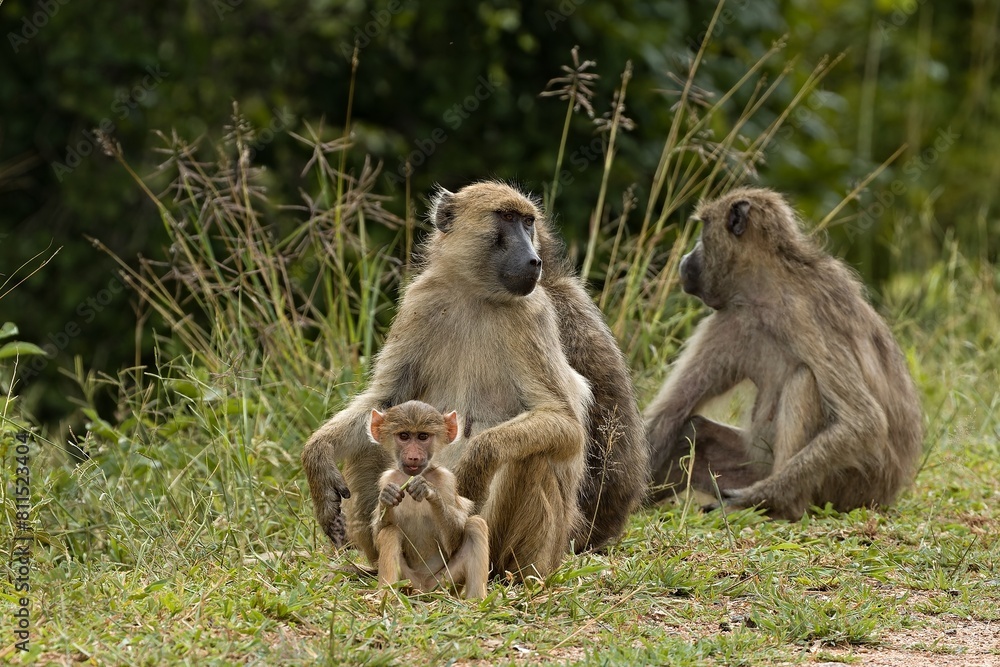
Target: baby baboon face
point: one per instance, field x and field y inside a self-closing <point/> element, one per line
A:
<point x="493" y="225"/>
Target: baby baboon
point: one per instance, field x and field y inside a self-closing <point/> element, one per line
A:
<point x="836" y="417"/>
<point x="429" y="536"/>
<point x="475" y="331"/>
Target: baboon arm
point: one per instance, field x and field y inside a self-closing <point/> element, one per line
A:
<point x="548" y="431"/>
<point x="385" y="515"/>
<point x="701" y="373"/>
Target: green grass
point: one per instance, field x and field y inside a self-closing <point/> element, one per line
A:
<point x="187" y="537"/>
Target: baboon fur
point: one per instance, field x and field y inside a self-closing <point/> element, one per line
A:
<point x="836" y="418"/>
<point x="548" y="460"/>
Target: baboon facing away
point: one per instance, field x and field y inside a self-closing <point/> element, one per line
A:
<point x="477" y="331"/>
<point x="422" y="527"/>
<point x="836" y="417"/>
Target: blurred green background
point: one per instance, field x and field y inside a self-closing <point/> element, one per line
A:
<point x="454" y="88"/>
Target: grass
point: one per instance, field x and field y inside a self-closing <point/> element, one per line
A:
<point x="186" y="536"/>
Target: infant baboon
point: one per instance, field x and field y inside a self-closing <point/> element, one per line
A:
<point x="836" y="417"/>
<point x="428" y="537"/>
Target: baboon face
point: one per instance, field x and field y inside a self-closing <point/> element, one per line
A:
<point x="741" y="232"/>
<point x="705" y="270"/>
<point x="493" y="224"/>
<point x="410" y="432"/>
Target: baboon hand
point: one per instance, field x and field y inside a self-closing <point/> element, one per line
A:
<point x="339" y="484"/>
<point x="732" y="500"/>
<point x="738" y="499"/>
<point x="474" y="471"/>
<point x="327" y="495"/>
<point x="419" y="489"/>
<point x="391" y="495"/>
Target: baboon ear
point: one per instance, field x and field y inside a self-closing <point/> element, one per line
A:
<point x="738" y="218"/>
<point x="443" y="210"/>
<point x="451" y="426"/>
<point x="375" y="426"/>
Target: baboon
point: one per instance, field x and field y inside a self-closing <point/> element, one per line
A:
<point x="477" y="331"/>
<point x="836" y="418"/>
<point x="428" y="538"/>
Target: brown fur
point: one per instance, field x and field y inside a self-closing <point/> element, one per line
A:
<point x="425" y="534"/>
<point x="617" y="473"/>
<point x="836" y="418"/>
<point x="462" y="339"/>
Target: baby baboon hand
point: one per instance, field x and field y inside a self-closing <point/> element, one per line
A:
<point x="419" y="489"/>
<point x="391" y="495"/>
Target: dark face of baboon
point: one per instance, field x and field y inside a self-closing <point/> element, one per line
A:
<point x="740" y="233"/>
<point x="497" y="224"/>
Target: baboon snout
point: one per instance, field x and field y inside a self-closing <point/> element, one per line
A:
<point x="520" y="278"/>
<point x="413" y="462"/>
<point x="691" y="273"/>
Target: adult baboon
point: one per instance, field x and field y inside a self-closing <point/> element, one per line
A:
<point x="476" y="331"/>
<point x="836" y="417"/>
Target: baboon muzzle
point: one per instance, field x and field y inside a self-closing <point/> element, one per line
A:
<point x="521" y="267"/>
<point x="691" y="273"/>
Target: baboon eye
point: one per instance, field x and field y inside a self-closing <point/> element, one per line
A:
<point x="508" y="216"/>
<point x="404" y="436"/>
<point x="529" y="220"/>
<point x="422" y="436"/>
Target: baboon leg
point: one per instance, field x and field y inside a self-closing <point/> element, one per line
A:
<point x="799" y="416"/>
<point x="787" y="492"/>
<point x="530" y="520"/>
<point x="720" y="458"/>
<point x="390" y="549"/>
<point x="470" y="564"/>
